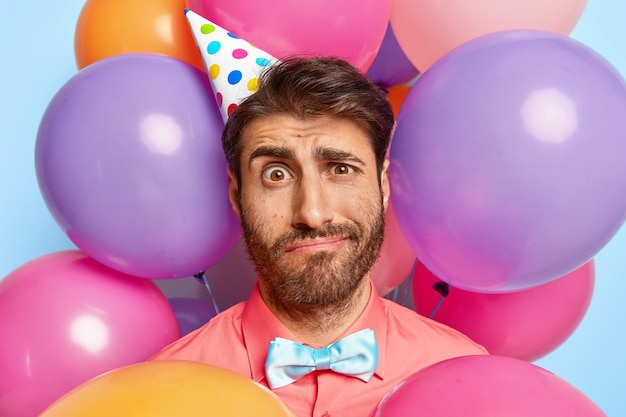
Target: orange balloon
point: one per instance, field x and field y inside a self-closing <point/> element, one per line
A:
<point x="396" y="97"/>
<point x="169" y="388"/>
<point x="112" y="27"/>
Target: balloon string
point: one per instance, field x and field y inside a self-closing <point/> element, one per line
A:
<point x="202" y="278"/>
<point x="394" y="294"/>
<point x="409" y="284"/>
<point x="442" y="288"/>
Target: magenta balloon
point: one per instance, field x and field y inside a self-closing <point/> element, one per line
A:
<point x="526" y="324"/>
<point x="349" y="29"/>
<point x="130" y="164"/>
<point x="485" y="385"/>
<point x="390" y="66"/>
<point x="507" y="163"/>
<point x="64" y="319"/>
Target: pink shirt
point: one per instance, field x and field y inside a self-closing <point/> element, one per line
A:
<point x="239" y="337"/>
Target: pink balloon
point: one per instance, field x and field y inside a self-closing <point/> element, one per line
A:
<point x="64" y="319"/>
<point x="526" y="324"/>
<point x="396" y="257"/>
<point x="349" y="29"/>
<point x="485" y="385"/>
<point x="427" y="29"/>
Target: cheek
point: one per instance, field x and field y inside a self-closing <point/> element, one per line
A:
<point x="260" y="209"/>
<point x="360" y="204"/>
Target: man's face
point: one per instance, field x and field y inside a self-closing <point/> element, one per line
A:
<point x="312" y="207"/>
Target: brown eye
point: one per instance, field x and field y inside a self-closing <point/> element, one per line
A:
<point x="276" y="174"/>
<point x="342" y="169"/>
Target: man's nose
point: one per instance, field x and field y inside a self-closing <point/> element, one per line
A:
<point x="311" y="204"/>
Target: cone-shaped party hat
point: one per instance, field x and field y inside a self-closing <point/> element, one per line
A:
<point x="232" y="64"/>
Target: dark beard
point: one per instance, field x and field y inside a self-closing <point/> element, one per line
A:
<point x="326" y="280"/>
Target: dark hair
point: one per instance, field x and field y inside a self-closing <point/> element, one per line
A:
<point x="308" y="88"/>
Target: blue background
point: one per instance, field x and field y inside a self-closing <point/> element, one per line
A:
<point x="36" y="44"/>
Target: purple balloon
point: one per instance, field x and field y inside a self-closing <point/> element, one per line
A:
<point x="391" y="67"/>
<point x="191" y="313"/>
<point x="130" y="164"/>
<point x="508" y="161"/>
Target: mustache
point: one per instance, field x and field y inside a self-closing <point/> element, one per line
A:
<point x="349" y="231"/>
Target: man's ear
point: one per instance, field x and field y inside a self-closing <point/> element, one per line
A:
<point x="233" y="191"/>
<point x="384" y="183"/>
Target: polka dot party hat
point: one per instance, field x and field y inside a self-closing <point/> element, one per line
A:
<point x="232" y="64"/>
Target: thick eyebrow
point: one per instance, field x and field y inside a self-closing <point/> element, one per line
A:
<point x="332" y="154"/>
<point x="272" y="151"/>
<point x="320" y="154"/>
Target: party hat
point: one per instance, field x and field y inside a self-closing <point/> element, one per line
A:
<point x="232" y="64"/>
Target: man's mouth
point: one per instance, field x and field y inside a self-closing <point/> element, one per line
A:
<point x="329" y="243"/>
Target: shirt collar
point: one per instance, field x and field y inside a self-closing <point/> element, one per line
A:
<point x="373" y="317"/>
<point x="260" y="326"/>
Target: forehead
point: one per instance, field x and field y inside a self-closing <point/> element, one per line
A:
<point x="304" y="135"/>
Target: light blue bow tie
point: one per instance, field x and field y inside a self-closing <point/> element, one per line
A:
<point x="355" y="355"/>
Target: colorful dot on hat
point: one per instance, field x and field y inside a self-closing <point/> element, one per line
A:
<point x="234" y="77"/>
<point x="207" y="28"/>
<point x="253" y="84"/>
<point x="240" y="53"/>
<point x="214" y="71"/>
<point x="263" y="62"/>
<point x="213" y="47"/>
<point x="232" y="63"/>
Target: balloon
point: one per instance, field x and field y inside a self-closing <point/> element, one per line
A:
<point x="348" y="29"/>
<point x="169" y="388"/>
<point x="426" y="29"/>
<point x="396" y="257"/>
<point x="191" y="313"/>
<point x="112" y="27"/>
<point x="526" y="324"/>
<point x="130" y="164"/>
<point x="391" y="67"/>
<point x="233" y="278"/>
<point x="485" y="385"/>
<point x="396" y="97"/>
<point x="507" y="163"/>
<point x="64" y="319"/>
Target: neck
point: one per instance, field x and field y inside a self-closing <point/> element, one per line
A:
<point x="319" y="325"/>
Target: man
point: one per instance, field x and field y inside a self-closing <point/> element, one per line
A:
<point x="308" y="179"/>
